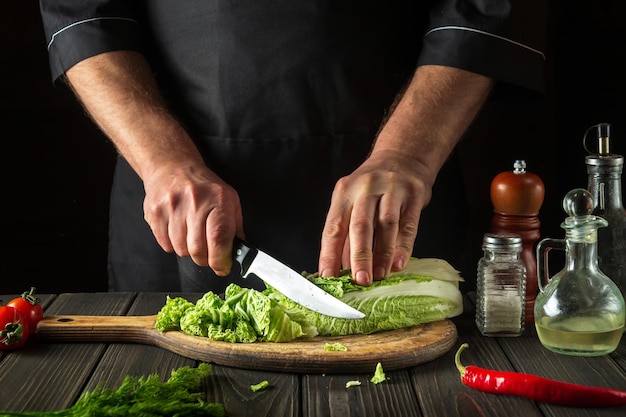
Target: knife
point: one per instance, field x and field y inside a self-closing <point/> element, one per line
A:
<point x="289" y="282"/>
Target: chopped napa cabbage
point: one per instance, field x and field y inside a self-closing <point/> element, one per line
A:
<point x="244" y="316"/>
<point x="169" y="316"/>
<point x="379" y="375"/>
<point x="260" y="386"/>
<point x="335" y="347"/>
<point x="353" y="383"/>
<point x="425" y="291"/>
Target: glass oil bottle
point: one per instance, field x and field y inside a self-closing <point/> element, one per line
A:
<point x="604" y="170"/>
<point x="580" y="311"/>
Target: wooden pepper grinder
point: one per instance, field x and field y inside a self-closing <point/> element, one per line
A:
<point x="517" y="197"/>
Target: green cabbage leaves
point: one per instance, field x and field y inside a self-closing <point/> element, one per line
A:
<point x="426" y="290"/>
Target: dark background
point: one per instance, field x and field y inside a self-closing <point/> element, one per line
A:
<point x="56" y="166"/>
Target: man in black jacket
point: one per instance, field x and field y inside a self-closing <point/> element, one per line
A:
<point x="282" y="122"/>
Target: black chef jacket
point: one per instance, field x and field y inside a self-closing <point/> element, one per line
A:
<point x="284" y="97"/>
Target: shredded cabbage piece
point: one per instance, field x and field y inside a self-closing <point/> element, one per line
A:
<point x="379" y="375"/>
<point x="260" y="386"/>
<point x="354" y="383"/>
<point x="335" y="347"/>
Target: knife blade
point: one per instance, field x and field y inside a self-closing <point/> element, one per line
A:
<point x="289" y="282"/>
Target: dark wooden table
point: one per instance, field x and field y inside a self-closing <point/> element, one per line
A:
<point x="51" y="376"/>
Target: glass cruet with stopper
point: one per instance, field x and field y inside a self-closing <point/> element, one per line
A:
<point x="579" y="311"/>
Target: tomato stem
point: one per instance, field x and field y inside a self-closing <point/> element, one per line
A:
<point x="12" y="333"/>
<point x="30" y="296"/>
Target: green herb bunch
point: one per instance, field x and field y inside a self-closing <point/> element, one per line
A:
<point x="179" y="396"/>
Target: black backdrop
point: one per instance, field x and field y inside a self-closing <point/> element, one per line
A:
<point x="56" y="166"/>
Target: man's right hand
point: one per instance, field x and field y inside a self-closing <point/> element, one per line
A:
<point x="190" y="209"/>
<point x="194" y="213"/>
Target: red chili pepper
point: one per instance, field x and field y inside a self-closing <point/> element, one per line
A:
<point x="536" y="388"/>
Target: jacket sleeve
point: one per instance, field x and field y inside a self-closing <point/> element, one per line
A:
<point x="76" y="30"/>
<point x="501" y="39"/>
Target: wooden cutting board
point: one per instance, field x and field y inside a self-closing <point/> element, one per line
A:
<point x="394" y="349"/>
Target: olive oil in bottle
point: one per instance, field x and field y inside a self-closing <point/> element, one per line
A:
<point x="580" y="311"/>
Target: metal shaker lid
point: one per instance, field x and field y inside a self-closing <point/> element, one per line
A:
<point x="502" y="240"/>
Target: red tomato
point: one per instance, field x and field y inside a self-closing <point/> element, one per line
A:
<point x="30" y="308"/>
<point x="14" y="329"/>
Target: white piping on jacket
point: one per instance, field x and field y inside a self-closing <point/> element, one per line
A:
<point x="487" y="34"/>
<point x="80" y="22"/>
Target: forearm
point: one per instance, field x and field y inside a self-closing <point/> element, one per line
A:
<point x="190" y="210"/>
<point x="381" y="201"/>
<point x="432" y="115"/>
<point x="120" y="94"/>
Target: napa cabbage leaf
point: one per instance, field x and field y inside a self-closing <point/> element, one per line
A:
<point x="426" y="290"/>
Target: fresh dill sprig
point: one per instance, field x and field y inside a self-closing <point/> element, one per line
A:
<point x="179" y="396"/>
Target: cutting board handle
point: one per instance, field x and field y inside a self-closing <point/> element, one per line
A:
<point x="132" y="329"/>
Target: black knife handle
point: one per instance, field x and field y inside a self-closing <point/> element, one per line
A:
<point x="243" y="254"/>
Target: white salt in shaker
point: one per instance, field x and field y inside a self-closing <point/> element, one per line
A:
<point x="501" y="286"/>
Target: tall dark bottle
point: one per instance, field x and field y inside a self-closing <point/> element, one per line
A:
<point x="604" y="171"/>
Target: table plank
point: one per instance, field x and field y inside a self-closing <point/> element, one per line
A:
<point x="327" y="395"/>
<point x="619" y="356"/>
<point x="231" y="387"/>
<point x="65" y="370"/>
<point x="528" y="355"/>
<point x="441" y="392"/>
<point x="47" y="377"/>
<point x="122" y="359"/>
<point x="119" y="360"/>
<point x="44" y="299"/>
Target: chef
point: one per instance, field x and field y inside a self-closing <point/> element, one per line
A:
<point x="321" y="131"/>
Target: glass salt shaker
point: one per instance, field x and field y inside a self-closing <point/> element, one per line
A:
<point x="501" y="286"/>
